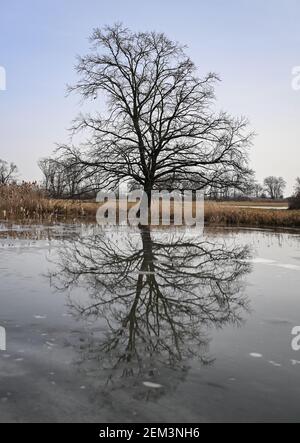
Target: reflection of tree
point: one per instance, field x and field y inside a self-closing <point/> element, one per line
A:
<point x="159" y="293"/>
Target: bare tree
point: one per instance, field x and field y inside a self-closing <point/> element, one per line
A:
<point x="258" y="190"/>
<point x="297" y="186"/>
<point x="8" y="172"/>
<point x="160" y="125"/>
<point x="254" y="189"/>
<point x="275" y="187"/>
<point x="53" y="180"/>
<point x="62" y="178"/>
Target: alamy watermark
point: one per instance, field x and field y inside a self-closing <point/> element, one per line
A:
<point x="2" y="339"/>
<point x="296" y="339"/>
<point x="296" y="78"/>
<point x="161" y="208"/>
<point x="2" y="79"/>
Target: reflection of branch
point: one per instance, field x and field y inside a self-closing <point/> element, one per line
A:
<point x="158" y="293"/>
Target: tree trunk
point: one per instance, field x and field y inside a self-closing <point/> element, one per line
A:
<point x="148" y="192"/>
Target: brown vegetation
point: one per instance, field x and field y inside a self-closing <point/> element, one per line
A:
<point x="226" y="215"/>
<point x="27" y="202"/>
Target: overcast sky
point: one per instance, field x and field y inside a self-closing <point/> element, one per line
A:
<point x="252" y="44"/>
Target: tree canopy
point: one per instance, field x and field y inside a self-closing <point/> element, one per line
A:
<point x="159" y="125"/>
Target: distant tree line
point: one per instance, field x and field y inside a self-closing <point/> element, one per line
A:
<point x="249" y="188"/>
<point x="65" y="180"/>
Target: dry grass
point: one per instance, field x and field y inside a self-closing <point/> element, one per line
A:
<point x="256" y="203"/>
<point x="226" y="215"/>
<point x="27" y="203"/>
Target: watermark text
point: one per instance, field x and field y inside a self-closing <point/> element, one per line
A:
<point x="296" y="339"/>
<point x="161" y="208"/>
<point x="2" y="339"/>
<point x="296" y="78"/>
<point x="2" y="79"/>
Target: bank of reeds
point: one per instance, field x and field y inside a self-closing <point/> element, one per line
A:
<point x="226" y="215"/>
<point x="27" y="202"/>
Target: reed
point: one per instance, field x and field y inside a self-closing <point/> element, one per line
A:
<point x="226" y="215"/>
<point x="28" y="202"/>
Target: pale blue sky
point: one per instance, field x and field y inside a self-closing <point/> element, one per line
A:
<point x="252" y="44"/>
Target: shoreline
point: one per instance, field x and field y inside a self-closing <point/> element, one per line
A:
<point x="251" y="214"/>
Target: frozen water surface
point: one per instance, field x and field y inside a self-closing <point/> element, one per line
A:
<point x="150" y="326"/>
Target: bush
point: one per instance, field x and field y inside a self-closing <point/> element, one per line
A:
<point x="294" y="202"/>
